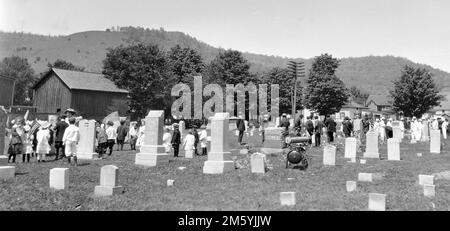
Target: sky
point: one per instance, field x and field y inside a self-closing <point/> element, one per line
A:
<point x="415" y="29"/>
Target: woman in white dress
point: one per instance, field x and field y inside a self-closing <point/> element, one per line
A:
<point x="204" y="141"/>
<point x="43" y="146"/>
<point x="188" y="144"/>
<point x="167" y="139"/>
<point x="445" y="128"/>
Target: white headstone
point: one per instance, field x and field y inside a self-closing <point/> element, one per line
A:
<point x="350" y="147"/>
<point x="258" y="163"/>
<point x="419" y="154"/>
<point x="219" y="158"/>
<point x="365" y="177"/>
<point x="3" y="160"/>
<point x="393" y="149"/>
<point x="287" y="198"/>
<point x="329" y="155"/>
<point x="425" y="131"/>
<point x="371" y="145"/>
<point x="86" y="145"/>
<point x="59" y="178"/>
<point x="109" y="175"/>
<point x="429" y="190"/>
<point x="153" y="151"/>
<point x="377" y="202"/>
<point x="426" y="179"/>
<point x="351" y="186"/>
<point x="7" y="172"/>
<point x="435" y="141"/>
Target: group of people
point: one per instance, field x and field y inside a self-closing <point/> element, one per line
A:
<point x="173" y="140"/>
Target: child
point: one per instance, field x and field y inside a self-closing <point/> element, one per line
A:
<point x="188" y="143"/>
<point x="70" y="139"/>
<point x="111" y="133"/>
<point x="16" y="145"/>
<point x="43" y="138"/>
<point x="167" y="138"/>
<point x="102" y="139"/>
<point x="28" y="146"/>
<point x="203" y="142"/>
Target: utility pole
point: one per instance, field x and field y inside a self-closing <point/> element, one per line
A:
<point x="297" y="70"/>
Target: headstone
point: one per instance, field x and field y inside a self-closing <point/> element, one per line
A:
<point x="170" y="182"/>
<point x="365" y="177"/>
<point x="371" y="145"/>
<point x="86" y="145"/>
<point x="329" y="155"/>
<point x="258" y="163"/>
<point x="377" y="202"/>
<point x="393" y="149"/>
<point x="351" y="186"/>
<point x="426" y="179"/>
<point x="109" y="175"/>
<point x="181" y="168"/>
<point x="273" y="142"/>
<point x="3" y="160"/>
<point x="219" y="158"/>
<point x="425" y="132"/>
<point x="419" y="154"/>
<point x="362" y="161"/>
<point x="350" y="147"/>
<point x="287" y="198"/>
<point x="435" y="141"/>
<point x="243" y="151"/>
<point x="59" y="178"/>
<point x="153" y="151"/>
<point x="429" y="190"/>
<point x="7" y="172"/>
<point x="3" y="119"/>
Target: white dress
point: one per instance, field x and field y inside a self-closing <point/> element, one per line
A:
<point x="43" y="147"/>
<point x="444" y="129"/>
<point x="203" y="138"/>
<point x="189" y="148"/>
<point x="167" y="139"/>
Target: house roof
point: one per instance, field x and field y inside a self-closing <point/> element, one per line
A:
<point x="84" y="81"/>
<point x="353" y="104"/>
<point x="379" y="100"/>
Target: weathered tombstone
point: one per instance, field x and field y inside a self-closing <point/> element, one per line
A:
<point x="350" y="147"/>
<point x="219" y="158"/>
<point x="59" y="178"/>
<point x="287" y="198"/>
<point x="153" y="152"/>
<point x="351" y="186"/>
<point x="273" y="142"/>
<point x="365" y="177"/>
<point x="7" y="172"/>
<point x="86" y="145"/>
<point x="429" y="190"/>
<point x="393" y="149"/>
<point x="425" y="131"/>
<point x="258" y="163"/>
<point x="3" y="119"/>
<point x="329" y="155"/>
<point x="419" y="154"/>
<point x="371" y="145"/>
<point x="377" y="202"/>
<point x="3" y="160"/>
<point x="109" y="176"/>
<point x="435" y="141"/>
<point x="426" y="179"/>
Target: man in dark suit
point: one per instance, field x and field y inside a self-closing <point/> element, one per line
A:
<point x="60" y="128"/>
<point x="331" y="128"/>
<point x="241" y="128"/>
<point x="347" y="127"/>
<point x="176" y="140"/>
<point x="284" y="124"/>
<point x="310" y="128"/>
<point x="318" y="130"/>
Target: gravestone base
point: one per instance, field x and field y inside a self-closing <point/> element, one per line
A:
<point x="7" y="172"/>
<point x="3" y="160"/>
<point x="87" y="156"/>
<point x="371" y="155"/>
<point x="151" y="160"/>
<point x="101" y="190"/>
<point x="218" y="167"/>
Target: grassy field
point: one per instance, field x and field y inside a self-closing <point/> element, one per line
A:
<point x="318" y="188"/>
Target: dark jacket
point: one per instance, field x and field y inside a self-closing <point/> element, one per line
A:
<point x="310" y="126"/>
<point x="122" y="132"/>
<point x="331" y="125"/>
<point x="319" y="127"/>
<point x="285" y="124"/>
<point x="240" y="125"/>
<point x="195" y="133"/>
<point x="347" y="127"/>
<point x="176" y="136"/>
<point x="60" y="128"/>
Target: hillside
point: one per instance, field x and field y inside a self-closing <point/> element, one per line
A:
<point x="373" y="73"/>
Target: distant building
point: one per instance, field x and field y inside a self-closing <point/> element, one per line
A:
<point x="90" y="94"/>
<point x="350" y="109"/>
<point x="7" y="85"/>
<point x="379" y="103"/>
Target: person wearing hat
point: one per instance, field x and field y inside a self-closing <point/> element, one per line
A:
<point x="318" y="129"/>
<point x="197" y="139"/>
<point x="204" y="141"/>
<point x="241" y="128"/>
<point x="331" y="128"/>
<point x="16" y="143"/>
<point x="43" y="137"/>
<point x="347" y="127"/>
<point x="70" y="139"/>
<point x="60" y="128"/>
<point x="111" y="133"/>
<point x="284" y="123"/>
<point x="122" y="132"/>
<point x="176" y="139"/>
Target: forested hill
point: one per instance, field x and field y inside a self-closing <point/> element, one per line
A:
<point x="373" y="73"/>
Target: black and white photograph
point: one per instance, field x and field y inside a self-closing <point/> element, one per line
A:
<point x="224" y="106"/>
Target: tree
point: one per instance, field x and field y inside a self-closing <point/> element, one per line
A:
<point x="415" y="92"/>
<point x="145" y="72"/>
<point x="326" y="93"/>
<point x="229" y="67"/>
<point x="185" y="63"/>
<point x="358" y="95"/>
<point x="285" y="80"/>
<point x="62" y="64"/>
<point x="19" y="69"/>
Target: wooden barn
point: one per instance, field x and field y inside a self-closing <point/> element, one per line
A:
<point x="7" y="86"/>
<point x="91" y="94"/>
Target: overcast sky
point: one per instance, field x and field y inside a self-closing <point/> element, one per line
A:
<point x="416" y="29"/>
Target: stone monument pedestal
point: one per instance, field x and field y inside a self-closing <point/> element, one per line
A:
<point x="152" y="155"/>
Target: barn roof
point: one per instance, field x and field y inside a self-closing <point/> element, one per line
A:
<point x="79" y="80"/>
<point x="379" y="100"/>
<point x="353" y="104"/>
